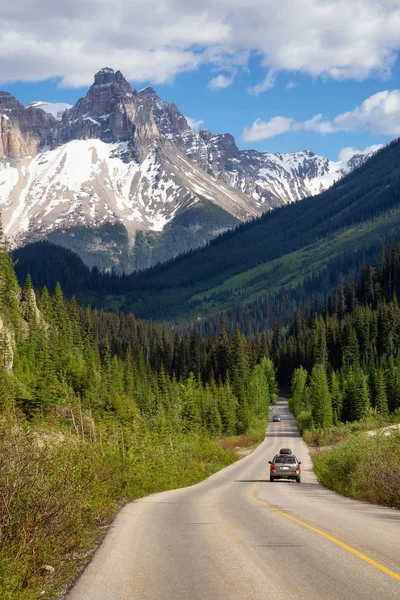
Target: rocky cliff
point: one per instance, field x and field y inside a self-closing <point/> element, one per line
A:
<point x="127" y="157"/>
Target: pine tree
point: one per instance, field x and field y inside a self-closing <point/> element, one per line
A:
<point x="297" y="395"/>
<point x="191" y="416"/>
<point x="320" y="352"/>
<point x="351" y="354"/>
<point x="320" y="398"/>
<point x="223" y="350"/>
<point x="361" y="400"/>
<point x="350" y="396"/>
<point x="381" y="401"/>
<point x="46" y="391"/>
<point x="270" y="375"/>
<point x="392" y="383"/>
<point x="259" y="391"/>
<point x="337" y="398"/>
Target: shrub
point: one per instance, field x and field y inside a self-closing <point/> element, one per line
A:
<point x="363" y="467"/>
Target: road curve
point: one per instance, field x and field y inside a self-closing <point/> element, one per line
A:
<point x="237" y="536"/>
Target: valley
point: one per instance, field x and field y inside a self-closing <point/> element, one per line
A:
<point x="199" y="315"/>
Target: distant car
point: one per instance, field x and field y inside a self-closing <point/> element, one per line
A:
<point x="276" y="418"/>
<point x="285" y="467"/>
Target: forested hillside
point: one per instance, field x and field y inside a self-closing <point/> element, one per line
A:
<point x="343" y="360"/>
<point x="279" y="253"/>
<point x="97" y="409"/>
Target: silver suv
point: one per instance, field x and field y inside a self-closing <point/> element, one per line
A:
<point x="285" y="466"/>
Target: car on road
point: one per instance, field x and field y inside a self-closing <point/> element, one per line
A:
<point x="285" y="467"/>
<point x="276" y="417"/>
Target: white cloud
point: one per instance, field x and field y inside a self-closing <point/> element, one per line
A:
<point x="154" y="41"/>
<point x="220" y="82"/>
<point x="193" y="123"/>
<point x="316" y="123"/>
<point x="267" y="84"/>
<point x="262" y="130"/>
<point x="379" y="115"/>
<point x="290" y="85"/>
<point x="346" y="153"/>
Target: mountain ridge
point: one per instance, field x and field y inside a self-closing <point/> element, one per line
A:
<point x="272" y="256"/>
<point x="122" y="156"/>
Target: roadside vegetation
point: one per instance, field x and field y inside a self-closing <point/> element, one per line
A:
<point x="97" y="410"/>
<point x="348" y="383"/>
<point x="102" y="408"/>
<point x="363" y="467"/>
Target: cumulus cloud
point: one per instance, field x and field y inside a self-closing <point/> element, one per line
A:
<point x="220" y="82"/>
<point x="193" y="123"/>
<point x="262" y="130"/>
<point x="316" y="123"/>
<point x="154" y="41"/>
<point x="267" y="84"/>
<point x="346" y="153"/>
<point x="379" y="114"/>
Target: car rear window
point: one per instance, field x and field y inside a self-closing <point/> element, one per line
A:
<point x="285" y="460"/>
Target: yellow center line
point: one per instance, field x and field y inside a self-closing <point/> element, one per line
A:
<point x="363" y="557"/>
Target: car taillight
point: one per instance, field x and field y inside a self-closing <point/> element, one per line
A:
<point x="297" y="469"/>
<point x="272" y="467"/>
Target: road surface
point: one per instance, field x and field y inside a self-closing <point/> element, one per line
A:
<point x="236" y="536"/>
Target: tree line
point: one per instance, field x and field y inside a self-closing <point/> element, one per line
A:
<point x="343" y="361"/>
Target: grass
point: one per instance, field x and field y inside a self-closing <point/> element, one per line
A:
<point x="59" y="493"/>
<point x="363" y="467"/>
<point x="354" y="464"/>
<point x="237" y="445"/>
<point x="317" y="438"/>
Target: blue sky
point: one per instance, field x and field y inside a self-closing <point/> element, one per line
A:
<point x="326" y="63"/>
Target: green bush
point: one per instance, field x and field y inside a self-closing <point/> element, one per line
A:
<point x="304" y="421"/>
<point x="57" y="491"/>
<point x="363" y="467"/>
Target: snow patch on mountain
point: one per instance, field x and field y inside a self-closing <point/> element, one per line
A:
<point x="90" y="182"/>
<point x="56" y="109"/>
<point x="84" y="182"/>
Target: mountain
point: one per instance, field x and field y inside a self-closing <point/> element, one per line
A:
<point x="289" y="253"/>
<point x="92" y="176"/>
<point x="56" y="109"/>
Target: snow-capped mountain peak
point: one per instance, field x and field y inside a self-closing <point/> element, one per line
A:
<point x="125" y="156"/>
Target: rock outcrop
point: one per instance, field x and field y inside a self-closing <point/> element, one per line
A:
<point x="23" y="131"/>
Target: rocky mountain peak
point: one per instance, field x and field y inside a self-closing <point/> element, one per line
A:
<point x="8" y="102"/>
<point x="146" y="91"/>
<point x="106" y="112"/>
<point x="205" y="134"/>
<point x="22" y="132"/>
<point x="107" y="77"/>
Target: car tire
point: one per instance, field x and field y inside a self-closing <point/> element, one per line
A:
<point x="272" y="479"/>
<point x="298" y="479"/>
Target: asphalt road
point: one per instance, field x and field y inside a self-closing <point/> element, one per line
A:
<point x="237" y="536"/>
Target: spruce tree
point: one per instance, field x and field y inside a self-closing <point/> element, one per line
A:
<point x="350" y="396"/>
<point x="361" y="401"/>
<point x="223" y="350"/>
<point x="337" y="398"/>
<point x="381" y="401"/>
<point x="320" y="398"/>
